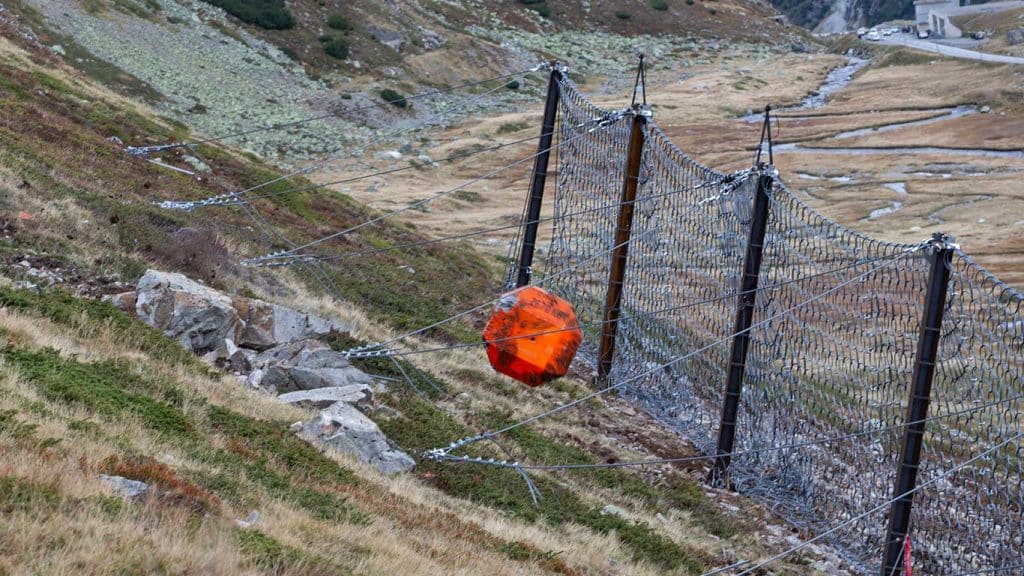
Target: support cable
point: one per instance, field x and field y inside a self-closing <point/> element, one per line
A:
<point x="444" y="453"/>
<point x="657" y="312"/>
<point x="881" y="506"/>
<point x="734" y="179"/>
<point x="218" y="201"/>
<point x="599" y="123"/>
<point x="331" y="156"/>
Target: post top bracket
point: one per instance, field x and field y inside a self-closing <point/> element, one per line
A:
<point x="554" y="66"/>
<point x="942" y="241"/>
<point x="642" y="110"/>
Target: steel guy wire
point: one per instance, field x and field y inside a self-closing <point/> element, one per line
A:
<point x="460" y="156"/>
<point x="881" y="506"/>
<point x="990" y="570"/>
<point x="145" y="150"/>
<point x="440" y="453"/>
<point x="736" y="178"/>
<point x="657" y="312"/>
<point x="331" y="156"/>
<point x="783" y="447"/>
<point x="598" y="124"/>
<point x="378" y="349"/>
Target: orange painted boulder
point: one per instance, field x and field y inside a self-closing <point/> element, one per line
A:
<point x="532" y="336"/>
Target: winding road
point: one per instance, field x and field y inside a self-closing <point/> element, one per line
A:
<point x="952" y="51"/>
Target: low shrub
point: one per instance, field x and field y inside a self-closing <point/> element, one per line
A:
<point x="661" y="5"/>
<point x="394" y="97"/>
<point x="339" y="22"/>
<point x="337" y="48"/>
<point x="269" y="14"/>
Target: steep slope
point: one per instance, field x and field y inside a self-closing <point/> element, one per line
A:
<point x="240" y="74"/>
<point x="844" y="15"/>
<point x="85" y="390"/>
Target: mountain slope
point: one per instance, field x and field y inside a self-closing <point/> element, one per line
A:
<point x="86" y="391"/>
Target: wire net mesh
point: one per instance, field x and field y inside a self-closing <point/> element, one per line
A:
<point x="818" y="366"/>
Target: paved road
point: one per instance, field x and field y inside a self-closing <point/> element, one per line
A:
<point x="928" y="46"/>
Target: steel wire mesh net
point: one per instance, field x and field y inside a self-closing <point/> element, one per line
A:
<point x="818" y="366"/>
<point x="828" y="366"/>
<point x="974" y="520"/>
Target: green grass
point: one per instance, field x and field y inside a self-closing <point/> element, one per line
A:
<point x="512" y="127"/>
<point x="274" y="557"/>
<point x="423" y="426"/>
<point x="107" y="387"/>
<point x="88" y="316"/>
<point x="21" y="495"/>
<point x="339" y="22"/>
<point x="682" y="494"/>
<point x="287" y="451"/>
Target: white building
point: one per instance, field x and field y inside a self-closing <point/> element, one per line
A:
<point x="937" y="15"/>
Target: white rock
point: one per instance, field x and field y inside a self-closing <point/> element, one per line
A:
<point x="126" y="488"/>
<point x="613" y="510"/>
<point x="346" y="429"/>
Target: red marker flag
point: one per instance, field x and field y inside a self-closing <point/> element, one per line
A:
<point x="906" y="556"/>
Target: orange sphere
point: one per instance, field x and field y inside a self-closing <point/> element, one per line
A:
<point x="532" y="336"/>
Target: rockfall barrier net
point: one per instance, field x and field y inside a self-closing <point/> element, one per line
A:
<point x="839" y="364"/>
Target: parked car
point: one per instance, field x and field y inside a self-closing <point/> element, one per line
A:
<point x="887" y="31"/>
<point x="874" y="36"/>
<point x="907" y="29"/>
<point x="861" y="32"/>
<point x="977" y="35"/>
<point x="924" y="34"/>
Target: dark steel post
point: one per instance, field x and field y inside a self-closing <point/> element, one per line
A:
<point x="540" y="174"/>
<point x="617" y="274"/>
<point x="744" y="316"/>
<point x="917" y="404"/>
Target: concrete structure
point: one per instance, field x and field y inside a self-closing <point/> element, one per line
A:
<point x="937" y="15"/>
<point x="923" y="11"/>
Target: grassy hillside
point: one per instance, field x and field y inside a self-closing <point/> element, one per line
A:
<point x="86" y="391"/>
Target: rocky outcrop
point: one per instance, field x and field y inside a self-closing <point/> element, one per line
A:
<point x="344" y="428"/>
<point x="305" y="365"/>
<point x="206" y="320"/>
<point x="272" y="348"/>
<point x="358" y="395"/>
<point x="198" y="317"/>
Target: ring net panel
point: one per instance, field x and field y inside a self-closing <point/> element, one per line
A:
<point x="818" y="366"/>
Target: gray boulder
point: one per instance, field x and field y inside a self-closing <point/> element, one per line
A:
<point x="267" y="325"/>
<point x="306" y="365"/>
<point x="126" y="488"/>
<point x="390" y="38"/>
<point x="198" y="317"/>
<point x="359" y="395"/>
<point x="346" y="429"/>
<point x="1015" y="37"/>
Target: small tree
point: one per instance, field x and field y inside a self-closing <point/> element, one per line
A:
<point x="394" y="97"/>
<point x="337" y="48"/>
<point x="661" y="5"/>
